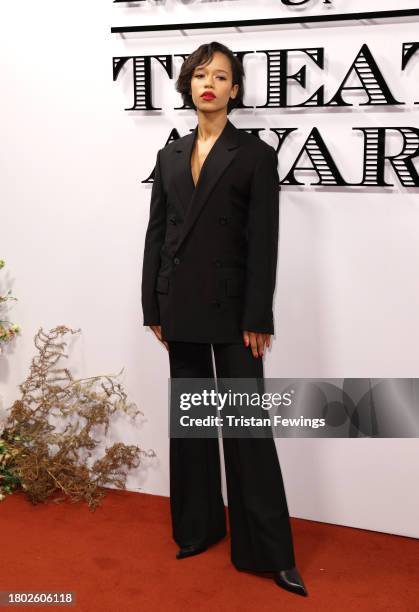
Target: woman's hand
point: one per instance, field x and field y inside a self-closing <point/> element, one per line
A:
<point x="157" y="330"/>
<point x="257" y="342"/>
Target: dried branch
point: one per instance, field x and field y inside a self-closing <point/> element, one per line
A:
<point x="80" y="406"/>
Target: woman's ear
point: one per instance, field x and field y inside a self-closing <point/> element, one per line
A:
<point x="236" y="89"/>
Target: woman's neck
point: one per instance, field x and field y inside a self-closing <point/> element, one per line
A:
<point x="210" y="125"/>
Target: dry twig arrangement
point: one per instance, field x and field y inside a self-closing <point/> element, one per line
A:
<point x="42" y="460"/>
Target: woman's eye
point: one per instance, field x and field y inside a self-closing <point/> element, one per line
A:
<point x="223" y="78"/>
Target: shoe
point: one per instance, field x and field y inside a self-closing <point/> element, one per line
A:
<point x="188" y="551"/>
<point x="291" y="580"/>
<point x="195" y="549"/>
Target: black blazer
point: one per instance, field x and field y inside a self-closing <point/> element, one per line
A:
<point x="210" y="254"/>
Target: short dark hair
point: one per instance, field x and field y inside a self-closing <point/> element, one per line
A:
<point x="200" y="56"/>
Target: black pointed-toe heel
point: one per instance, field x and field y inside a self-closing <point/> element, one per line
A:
<point x="189" y="551"/>
<point x="195" y="549"/>
<point x="291" y="580"/>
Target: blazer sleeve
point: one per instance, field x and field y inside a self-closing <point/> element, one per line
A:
<point x="154" y="240"/>
<point x="262" y="233"/>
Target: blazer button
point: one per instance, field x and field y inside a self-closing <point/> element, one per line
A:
<point x="172" y="219"/>
<point x="176" y="260"/>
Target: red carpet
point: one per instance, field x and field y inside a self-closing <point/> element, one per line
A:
<point x="121" y="558"/>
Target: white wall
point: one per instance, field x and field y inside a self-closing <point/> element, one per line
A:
<point x="74" y="214"/>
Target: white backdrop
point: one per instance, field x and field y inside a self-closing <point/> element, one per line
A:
<point x="74" y="215"/>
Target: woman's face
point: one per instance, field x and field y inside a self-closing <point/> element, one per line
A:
<point x="215" y="80"/>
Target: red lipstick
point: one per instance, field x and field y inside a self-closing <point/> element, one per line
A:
<point x="208" y="95"/>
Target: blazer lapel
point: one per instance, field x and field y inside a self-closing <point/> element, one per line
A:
<point x="218" y="159"/>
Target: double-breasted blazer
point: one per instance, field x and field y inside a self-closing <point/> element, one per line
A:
<point x="210" y="254"/>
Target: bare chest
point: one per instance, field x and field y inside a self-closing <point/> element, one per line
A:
<point x="199" y="154"/>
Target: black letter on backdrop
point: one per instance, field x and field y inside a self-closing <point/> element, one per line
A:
<point x="277" y="77"/>
<point x="322" y="161"/>
<point x="409" y="50"/>
<point x="373" y="82"/>
<point x="142" y="77"/>
<point x="375" y="157"/>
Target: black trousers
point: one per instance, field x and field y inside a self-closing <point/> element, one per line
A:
<point x="260" y="531"/>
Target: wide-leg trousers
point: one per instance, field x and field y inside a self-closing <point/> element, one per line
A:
<point x="260" y="531"/>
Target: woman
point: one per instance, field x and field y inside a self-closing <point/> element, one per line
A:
<point x="208" y="280"/>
